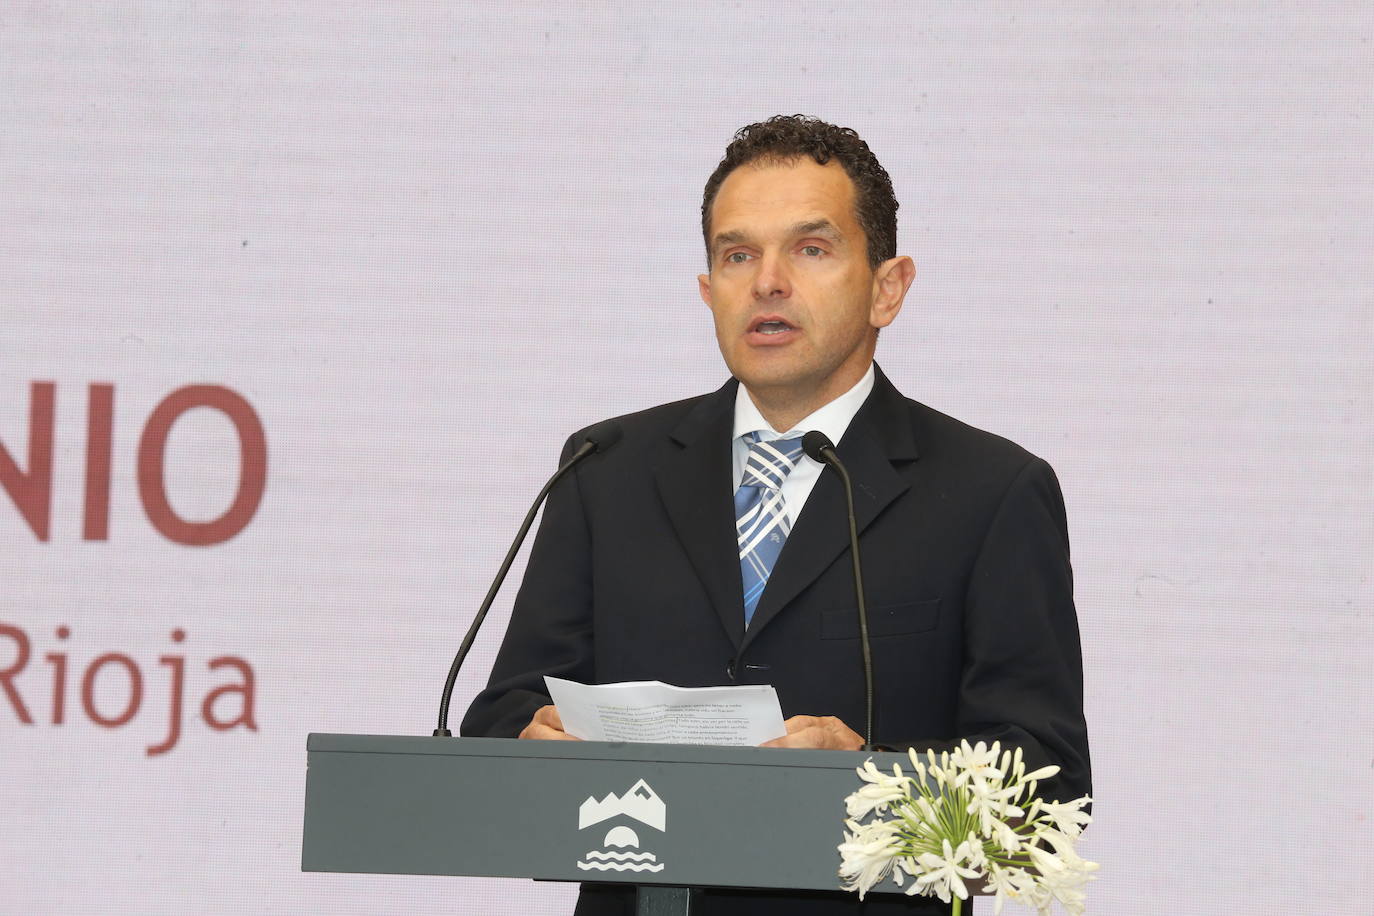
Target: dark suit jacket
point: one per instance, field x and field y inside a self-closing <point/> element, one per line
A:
<point x="634" y="575"/>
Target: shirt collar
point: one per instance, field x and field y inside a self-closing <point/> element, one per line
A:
<point x="832" y="419"/>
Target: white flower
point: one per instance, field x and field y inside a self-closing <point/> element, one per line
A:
<point x="1009" y="883"/>
<point x="872" y="798"/>
<point x="1006" y="837"/>
<point x="867" y="853"/>
<point x="944" y="873"/>
<point x="904" y="864"/>
<point x="1039" y="897"/>
<point x="1069" y="817"/>
<point x="1044" y="772"/>
<point x="936" y="768"/>
<point x="977" y="856"/>
<point x="1045" y="862"/>
<point x="988" y="800"/>
<point x="869" y="772"/>
<point x="1065" y="853"/>
<point x="1070" y="897"/>
<point x="880" y="791"/>
<point x="1063" y="878"/>
<point x="977" y="763"/>
<point x="917" y="764"/>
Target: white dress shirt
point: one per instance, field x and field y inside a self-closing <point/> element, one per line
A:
<point x="832" y="419"/>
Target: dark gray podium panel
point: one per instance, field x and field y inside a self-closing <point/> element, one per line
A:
<point x="578" y="811"/>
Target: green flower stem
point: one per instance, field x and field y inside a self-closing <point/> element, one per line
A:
<point x="957" y="907"/>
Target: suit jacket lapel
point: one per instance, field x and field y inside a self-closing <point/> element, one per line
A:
<point x="879" y="436"/>
<point x="694" y="482"/>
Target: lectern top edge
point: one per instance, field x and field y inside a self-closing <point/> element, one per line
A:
<point x="319" y="742"/>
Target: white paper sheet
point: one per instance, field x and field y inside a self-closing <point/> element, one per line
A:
<point x="652" y="711"/>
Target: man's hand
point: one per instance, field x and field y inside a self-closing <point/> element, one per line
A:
<point x="547" y="725"/>
<point x="825" y="732"/>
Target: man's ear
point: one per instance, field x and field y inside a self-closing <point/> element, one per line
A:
<point x="704" y="288"/>
<point x="890" y="282"/>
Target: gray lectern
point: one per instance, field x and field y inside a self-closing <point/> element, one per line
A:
<point x="666" y="817"/>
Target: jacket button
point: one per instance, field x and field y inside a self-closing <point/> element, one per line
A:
<point x="730" y="669"/>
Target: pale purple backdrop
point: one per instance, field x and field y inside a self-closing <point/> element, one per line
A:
<point x="427" y="241"/>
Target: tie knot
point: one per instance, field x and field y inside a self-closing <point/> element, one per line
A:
<point x="769" y="463"/>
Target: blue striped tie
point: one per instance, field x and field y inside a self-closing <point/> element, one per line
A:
<point x="761" y="523"/>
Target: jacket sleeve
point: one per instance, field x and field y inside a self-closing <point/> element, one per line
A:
<point x="1022" y="671"/>
<point x="550" y="629"/>
<point x="1022" y="678"/>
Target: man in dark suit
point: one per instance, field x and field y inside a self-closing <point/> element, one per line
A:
<point x="645" y="568"/>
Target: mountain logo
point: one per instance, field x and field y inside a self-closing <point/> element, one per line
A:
<point x="620" y="847"/>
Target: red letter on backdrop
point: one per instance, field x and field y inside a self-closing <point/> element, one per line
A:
<point x="99" y="425"/>
<point x="135" y="689"/>
<point x="252" y="465"/>
<point x="178" y="665"/>
<point x="244" y="689"/>
<point x="21" y="646"/>
<point x="32" y="490"/>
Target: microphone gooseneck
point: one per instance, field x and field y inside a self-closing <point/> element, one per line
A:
<point x="598" y="438"/>
<point x="818" y="447"/>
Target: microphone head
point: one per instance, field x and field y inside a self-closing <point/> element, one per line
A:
<point x="816" y="444"/>
<point x="604" y="435"/>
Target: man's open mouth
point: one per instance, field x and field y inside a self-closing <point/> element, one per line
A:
<point x="771" y="326"/>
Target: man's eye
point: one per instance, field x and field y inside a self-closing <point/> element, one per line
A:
<point x="736" y="257"/>
<point x="812" y="251"/>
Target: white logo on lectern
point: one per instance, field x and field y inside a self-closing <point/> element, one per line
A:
<point x="620" y="849"/>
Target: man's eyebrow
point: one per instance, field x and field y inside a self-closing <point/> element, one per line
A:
<point x="817" y="227"/>
<point x="721" y="239"/>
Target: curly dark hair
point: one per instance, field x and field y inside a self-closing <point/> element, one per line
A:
<point x="786" y="138"/>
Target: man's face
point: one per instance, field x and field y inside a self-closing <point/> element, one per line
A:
<point x="795" y="302"/>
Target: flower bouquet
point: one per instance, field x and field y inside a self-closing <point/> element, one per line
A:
<point x="968" y="815"/>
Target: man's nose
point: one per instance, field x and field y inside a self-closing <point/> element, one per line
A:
<point x="772" y="280"/>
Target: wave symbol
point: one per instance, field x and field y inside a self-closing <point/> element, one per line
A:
<point x="622" y="856"/>
<point x="619" y="866"/>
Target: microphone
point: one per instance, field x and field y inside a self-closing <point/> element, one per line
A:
<point x="598" y="438"/>
<point x="818" y="447"/>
